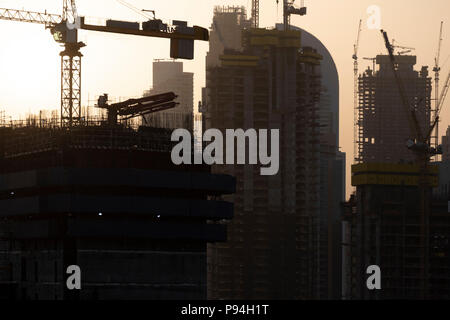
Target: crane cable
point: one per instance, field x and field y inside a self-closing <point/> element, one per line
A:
<point x="130" y="6"/>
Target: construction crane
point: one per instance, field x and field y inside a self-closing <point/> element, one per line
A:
<point x="436" y="70"/>
<point x="373" y="62"/>
<point x="405" y="49"/>
<point x="64" y="29"/>
<point x="355" y="91"/>
<point x="136" y="107"/>
<point x="441" y="100"/>
<point x="289" y="9"/>
<point x="420" y="145"/>
<point x="255" y="14"/>
<point x="140" y="12"/>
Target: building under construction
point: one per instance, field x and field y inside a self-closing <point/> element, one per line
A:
<point x="328" y="234"/>
<point x="382" y="127"/>
<point x="389" y="221"/>
<point x="109" y="199"/>
<point x="169" y="76"/>
<point x="383" y="227"/>
<point x="268" y="82"/>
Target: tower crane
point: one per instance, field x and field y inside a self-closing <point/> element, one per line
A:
<point x="255" y="14"/>
<point x="64" y="29"/>
<point x="436" y="70"/>
<point x="140" y="12"/>
<point x="373" y="62"/>
<point x="289" y="9"/>
<point x="406" y="49"/>
<point x="355" y="91"/>
<point x="420" y="145"/>
<point x="441" y="100"/>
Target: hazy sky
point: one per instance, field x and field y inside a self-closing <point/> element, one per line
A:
<point x="121" y="65"/>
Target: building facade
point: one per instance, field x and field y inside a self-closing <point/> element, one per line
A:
<point x="275" y="242"/>
<point x="109" y="200"/>
<point x="382" y="126"/>
<point x="384" y="227"/>
<point x="168" y="76"/>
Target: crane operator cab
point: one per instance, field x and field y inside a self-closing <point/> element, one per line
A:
<point x="63" y="34"/>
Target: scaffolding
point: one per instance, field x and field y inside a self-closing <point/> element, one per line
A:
<point x="382" y="129"/>
<point x="383" y="228"/>
<point x="272" y="248"/>
<point x="78" y="178"/>
<point x="172" y="120"/>
<point x="240" y="11"/>
<point x="2" y="118"/>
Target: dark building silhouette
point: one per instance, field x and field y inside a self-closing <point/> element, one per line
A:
<point x="382" y="127"/>
<point x="383" y="227"/>
<point x="110" y="200"/>
<point x="332" y="175"/>
<point x="384" y="222"/>
<point x="276" y="247"/>
<point x="285" y="240"/>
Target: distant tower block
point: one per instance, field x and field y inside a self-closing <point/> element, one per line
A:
<point x="270" y="83"/>
<point x="382" y="127"/>
<point x="168" y="76"/>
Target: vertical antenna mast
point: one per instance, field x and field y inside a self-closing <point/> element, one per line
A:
<point x="437" y="69"/>
<point x="255" y="14"/>
<point x="70" y="69"/>
<point x="355" y="94"/>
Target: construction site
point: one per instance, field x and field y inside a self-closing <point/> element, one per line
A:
<point x="382" y="129"/>
<point x="395" y="219"/>
<point x="278" y="246"/>
<point x="100" y="191"/>
<point x="96" y="187"/>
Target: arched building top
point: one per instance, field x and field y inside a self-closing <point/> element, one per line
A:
<point x="330" y="77"/>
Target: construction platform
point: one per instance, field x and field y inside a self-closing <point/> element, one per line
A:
<point x="391" y="174"/>
<point x="384" y="225"/>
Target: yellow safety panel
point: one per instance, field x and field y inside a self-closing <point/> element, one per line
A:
<point x="239" y="64"/>
<point x="238" y="57"/>
<point x="278" y="38"/>
<point x="239" y="60"/>
<point x="391" y="167"/>
<point x="391" y="174"/>
<point x="309" y="60"/>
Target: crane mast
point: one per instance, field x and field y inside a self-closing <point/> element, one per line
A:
<point x="70" y="13"/>
<point x="440" y="105"/>
<point x="70" y="57"/>
<point x="70" y="66"/>
<point x="255" y="13"/>
<point x="437" y="70"/>
<point x="71" y="84"/>
<point x="442" y="96"/>
<point x="289" y="9"/>
<point x="355" y="92"/>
